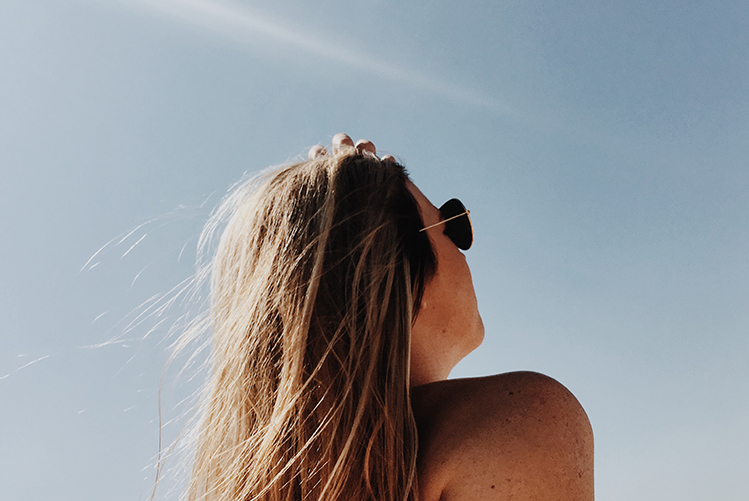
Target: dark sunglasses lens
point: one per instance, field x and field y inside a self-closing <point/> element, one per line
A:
<point x="459" y="229"/>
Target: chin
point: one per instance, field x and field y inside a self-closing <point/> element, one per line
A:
<point x="479" y="332"/>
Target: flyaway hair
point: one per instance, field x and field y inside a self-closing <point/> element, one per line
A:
<point x="315" y="285"/>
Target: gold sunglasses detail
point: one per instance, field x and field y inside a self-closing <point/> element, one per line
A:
<point x="467" y="212"/>
<point x="457" y="221"/>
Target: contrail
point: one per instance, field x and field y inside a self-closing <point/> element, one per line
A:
<point x="232" y="21"/>
<point x="239" y="24"/>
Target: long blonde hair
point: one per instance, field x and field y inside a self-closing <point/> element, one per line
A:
<point x="315" y="284"/>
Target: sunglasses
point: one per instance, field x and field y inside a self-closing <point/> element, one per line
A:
<point x="457" y="223"/>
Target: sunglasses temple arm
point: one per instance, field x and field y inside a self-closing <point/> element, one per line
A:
<point x="445" y="220"/>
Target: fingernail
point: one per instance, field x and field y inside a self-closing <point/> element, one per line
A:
<point x="317" y="151"/>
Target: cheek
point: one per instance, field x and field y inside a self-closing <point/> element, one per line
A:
<point x="463" y="299"/>
<point x="458" y="280"/>
<point x="448" y="297"/>
<point x="449" y="301"/>
<point x="430" y="302"/>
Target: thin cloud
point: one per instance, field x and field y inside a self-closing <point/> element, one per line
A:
<point x="248" y="28"/>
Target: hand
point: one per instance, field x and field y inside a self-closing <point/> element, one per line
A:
<point x="342" y="141"/>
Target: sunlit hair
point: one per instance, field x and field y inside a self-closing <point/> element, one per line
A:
<point x="315" y="285"/>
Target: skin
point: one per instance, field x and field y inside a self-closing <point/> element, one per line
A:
<point x="516" y="436"/>
<point x="519" y="436"/>
<point x="449" y="325"/>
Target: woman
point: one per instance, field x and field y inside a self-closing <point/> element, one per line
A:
<point x="340" y="304"/>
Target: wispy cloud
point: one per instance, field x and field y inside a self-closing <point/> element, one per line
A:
<point x="251" y="29"/>
<point x="254" y="31"/>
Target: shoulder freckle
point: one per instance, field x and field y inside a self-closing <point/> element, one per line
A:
<point x="515" y="434"/>
<point x="502" y="404"/>
<point x="525" y="424"/>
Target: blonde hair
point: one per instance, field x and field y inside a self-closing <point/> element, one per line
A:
<point x="315" y="284"/>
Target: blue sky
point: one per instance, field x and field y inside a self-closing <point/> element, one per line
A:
<point x="601" y="147"/>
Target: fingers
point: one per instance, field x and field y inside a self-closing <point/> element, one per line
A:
<point x="340" y="141"/>
<point x="364" y="146"/>
<point x="317" y="151"/>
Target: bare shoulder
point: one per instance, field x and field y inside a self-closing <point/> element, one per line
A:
<point x="520" y="435"/>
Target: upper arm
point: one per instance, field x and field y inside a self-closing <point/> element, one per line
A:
<point x="514" y="436"/>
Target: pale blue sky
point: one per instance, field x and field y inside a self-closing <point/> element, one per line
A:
<point x="601" y="147"/>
